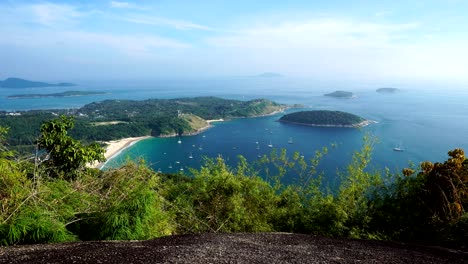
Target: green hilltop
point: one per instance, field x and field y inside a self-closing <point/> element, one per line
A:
<point x="323" y="118"/>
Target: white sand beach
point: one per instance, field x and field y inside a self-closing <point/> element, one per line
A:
<point x="114" y="147"/>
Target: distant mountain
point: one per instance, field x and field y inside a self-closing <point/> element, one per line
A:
<point x="22" y="83"/>
<point x="269" y="75"/>
<point x="341" y="94"/>
<point x="387" y="90"/>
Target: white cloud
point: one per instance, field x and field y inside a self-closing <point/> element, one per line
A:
<point x="337" y="48"/>
<point x="159" y="21"/>
<point x="50" y="14"/>
<point x="119" y="4"/>
<point x="125" y="5"/>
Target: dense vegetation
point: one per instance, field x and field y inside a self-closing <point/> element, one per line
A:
<point x="114" y="119"/>
<point x="340" y="94"/>
<point x="54" y="197"/>
<point x="322" y="118"/>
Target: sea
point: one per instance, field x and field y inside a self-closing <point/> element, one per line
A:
<point x="425" y="120"/>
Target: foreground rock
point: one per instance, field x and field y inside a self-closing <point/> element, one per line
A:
<point x="232" y="248"/>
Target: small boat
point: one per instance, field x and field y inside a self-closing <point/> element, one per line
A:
<point x="179" y="141"/>
<point x="170" y="166"/>
<point x="190" y="157"/>
<point x="159" y="170"/>
<point x="398" y="148"/>
<point x="270" y="145"/>
<point x="177" y="162"/>
<point x="204" y="136"/>
<point x="181" y="169"/>
<point x="258" y="146"/>
<point x="200" y="148"/>
<point x="290" y="141"/>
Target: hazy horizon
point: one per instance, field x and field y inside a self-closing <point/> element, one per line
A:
<point x="384" y="41"/>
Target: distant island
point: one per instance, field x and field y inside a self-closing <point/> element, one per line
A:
<point x="62" y="94"/>
<point x="387" y="90"/>
<point x="269" y="75"/>
<point x="324" y="118"/>
<point x="22" y="83"/>
<point x="340" y="94"/>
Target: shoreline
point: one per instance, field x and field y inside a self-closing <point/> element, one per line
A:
<point x="115" y="147"/>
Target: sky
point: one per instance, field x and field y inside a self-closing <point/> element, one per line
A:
<point x="325" y="40"/>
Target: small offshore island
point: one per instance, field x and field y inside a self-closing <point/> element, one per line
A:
<point x="387" y="90"/>
<point x="62" y="94"/>
<point x="325" y="118"/>
<point x="341" y="94"/>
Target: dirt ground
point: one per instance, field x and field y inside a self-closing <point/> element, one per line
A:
<point x="233" y="248"/>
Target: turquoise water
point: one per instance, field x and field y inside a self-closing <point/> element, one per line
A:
<point x="427" y="123"/>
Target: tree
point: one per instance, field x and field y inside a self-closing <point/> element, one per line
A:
<point x="64" y="153"/>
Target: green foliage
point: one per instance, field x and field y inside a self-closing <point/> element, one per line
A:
<point x="427" y="204"/>
<point x="66" y="154"/>
<point x="33" y="212"/>
<point x="219" y="199"/>
<point x="131" y="207"/>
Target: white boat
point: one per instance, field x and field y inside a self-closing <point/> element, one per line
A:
<point x="270" y="145"/>
<point x="179" y="141"/>
<point x="170" y="166"/>
<point x="398" y="148"/>
<point x="290" y="141"/>
<point x="190" y="157"/>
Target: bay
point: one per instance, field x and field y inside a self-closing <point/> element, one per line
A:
<point x="427" y="121"/>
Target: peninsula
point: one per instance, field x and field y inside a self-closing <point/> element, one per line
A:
<point x="22" y="83"/>
<point x="62" y="94"/>
<point x="341" y="94"/>
<point x="111" y="120"/>
<point x="324" y="118"/>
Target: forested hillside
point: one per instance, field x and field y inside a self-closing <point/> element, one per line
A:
<point x="114" y="119"/>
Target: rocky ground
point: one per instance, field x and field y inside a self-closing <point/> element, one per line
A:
<point x="233" y="248"/>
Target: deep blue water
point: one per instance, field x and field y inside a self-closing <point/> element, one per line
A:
<point x="427" y="122"/>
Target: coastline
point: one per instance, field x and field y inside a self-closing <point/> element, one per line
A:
<point x="115" y="147"/>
